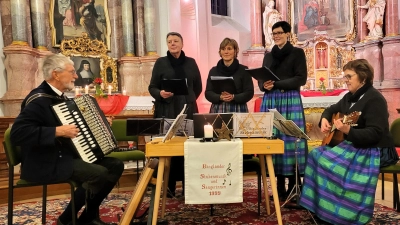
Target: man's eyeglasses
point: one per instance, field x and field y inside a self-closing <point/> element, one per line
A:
<point x="277" y="33"/>
<point x="72" y="72"/>
<point x="348" y="76"/>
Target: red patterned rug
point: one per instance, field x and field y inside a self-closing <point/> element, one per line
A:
<point x="177" y="212"/>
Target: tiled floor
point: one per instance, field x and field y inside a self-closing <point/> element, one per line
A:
<point x="388" y="198"/>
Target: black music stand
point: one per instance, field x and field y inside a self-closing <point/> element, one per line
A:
<point x="289" y="128"/>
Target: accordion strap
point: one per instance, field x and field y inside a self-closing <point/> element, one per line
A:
<point x="38" y="95"/>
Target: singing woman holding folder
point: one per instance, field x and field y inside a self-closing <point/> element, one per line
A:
<point x="289" y="64"/>
<point x="168" y="105"/>
<point x="236" y="99"/>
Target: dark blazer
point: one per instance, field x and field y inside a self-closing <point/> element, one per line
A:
<point x="168" y="108"/>
<point x="372" y="128"/>
<point x="45" y="158"/>
<point x="292" y="70"/>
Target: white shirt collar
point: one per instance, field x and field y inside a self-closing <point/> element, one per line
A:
<point x="55" y="89"/>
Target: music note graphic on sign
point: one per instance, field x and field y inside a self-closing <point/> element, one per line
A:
<point x="224" y="182"/>
<point x="229" y="170"/>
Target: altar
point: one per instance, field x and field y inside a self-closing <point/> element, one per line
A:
<point x="118" y="104"/>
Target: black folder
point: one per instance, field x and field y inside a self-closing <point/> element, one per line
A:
<point x="221" y="84"/>
<point x="176" y="86"/>
<point x="263" y="74"/>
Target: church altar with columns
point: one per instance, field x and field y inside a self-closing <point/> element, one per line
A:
<point x="136" y="38"/>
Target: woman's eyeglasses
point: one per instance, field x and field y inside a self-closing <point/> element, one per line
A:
<point x="277" y="33"/>
<point x="348" y="76"/>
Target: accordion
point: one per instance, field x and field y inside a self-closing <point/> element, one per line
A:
<point x="95" y="138"/>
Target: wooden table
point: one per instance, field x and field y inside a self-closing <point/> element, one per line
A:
<point x="175" y="147"/>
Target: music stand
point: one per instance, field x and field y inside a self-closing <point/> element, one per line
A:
<point x="289" y="128"/>
<point x="175" y="125"/>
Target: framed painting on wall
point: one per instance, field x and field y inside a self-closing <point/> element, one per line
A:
<point x="90" y="61"/>
<point x="69" y="18"/>
<point x="87" y="69"/>
<point x="336" y="18"/>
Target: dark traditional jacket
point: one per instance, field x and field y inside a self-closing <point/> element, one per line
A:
<point x="170" y="107"/>
<point x="243" y="83"/>
<point x="292" y="71"/>
<point x="372" y="128"/>
<point x="45" y="158"/>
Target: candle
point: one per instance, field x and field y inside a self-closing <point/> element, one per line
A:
<point x="124" y="92"/>
<point x="86" y="89"/>
<point x="312" y="87"/>
<point x="109" y="89"/>
<point x="331" y="84"/>
<point x="77" y="91"/>
<point x="208" y="131"/>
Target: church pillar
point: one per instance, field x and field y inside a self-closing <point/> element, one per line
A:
<point x="391" y="66"/>
<point x="114" y="8"/>
<point x="39" y="27"/>
<point x="140" y="43"/>
<point x="134" y="73"/>
<point x="372" y="51"/>
<point x="392" y="18"/>
<point x="22" y="67"/>
<point x="149" y="24"/>
<point x="127" y="27"/>
<point x="6" y="25"/>
<point x="282" y="7"/>
<point x="19" y="15"/>
<point x="362" y="30"/>
<point x="255" y="23"/>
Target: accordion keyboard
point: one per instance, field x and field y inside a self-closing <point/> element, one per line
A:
<point x="95" y="138"/>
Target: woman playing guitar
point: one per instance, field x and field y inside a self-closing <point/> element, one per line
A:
<point x="339" y="182"/>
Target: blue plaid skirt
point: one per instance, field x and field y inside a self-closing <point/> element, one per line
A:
<point x="340" y="182"/>
<point x="227" y="107"/>
<point x="288" y="103"/>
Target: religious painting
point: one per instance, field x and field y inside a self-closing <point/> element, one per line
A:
<point x="334" y="18"/>
<point x="70" y="18"/>
<point x="91" y="61"/>
<point x="87" y="69"/>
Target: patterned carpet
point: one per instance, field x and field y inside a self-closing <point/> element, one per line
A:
<point x="179" y="213"/>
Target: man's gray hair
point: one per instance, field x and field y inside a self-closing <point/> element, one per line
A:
<point x="56" y="62"/>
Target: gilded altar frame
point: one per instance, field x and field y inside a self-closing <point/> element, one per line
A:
<point x="84" y="48"/>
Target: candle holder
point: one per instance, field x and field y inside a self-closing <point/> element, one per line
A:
<point x="204" y="139"/>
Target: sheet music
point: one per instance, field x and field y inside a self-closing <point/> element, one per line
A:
<point x="287" y="127"/>
<point x="175" y="125"/>
<point x="277" y="115"/>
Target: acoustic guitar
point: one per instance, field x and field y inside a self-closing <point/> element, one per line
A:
<point x="335" y="136"/>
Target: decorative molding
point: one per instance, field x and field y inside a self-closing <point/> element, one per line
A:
<point x="85" y="47"/>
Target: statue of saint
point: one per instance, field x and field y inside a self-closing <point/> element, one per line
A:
<point x="270" y="16"/>
<point x="374" y="17"/>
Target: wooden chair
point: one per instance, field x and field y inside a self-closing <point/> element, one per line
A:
<point x="13" y="154"/>
<point x="119" y="129"/>
<point x="393" y="169"/>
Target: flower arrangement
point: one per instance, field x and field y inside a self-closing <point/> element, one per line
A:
<point x="322" y="85"/>
<point x="99" y="92"/>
